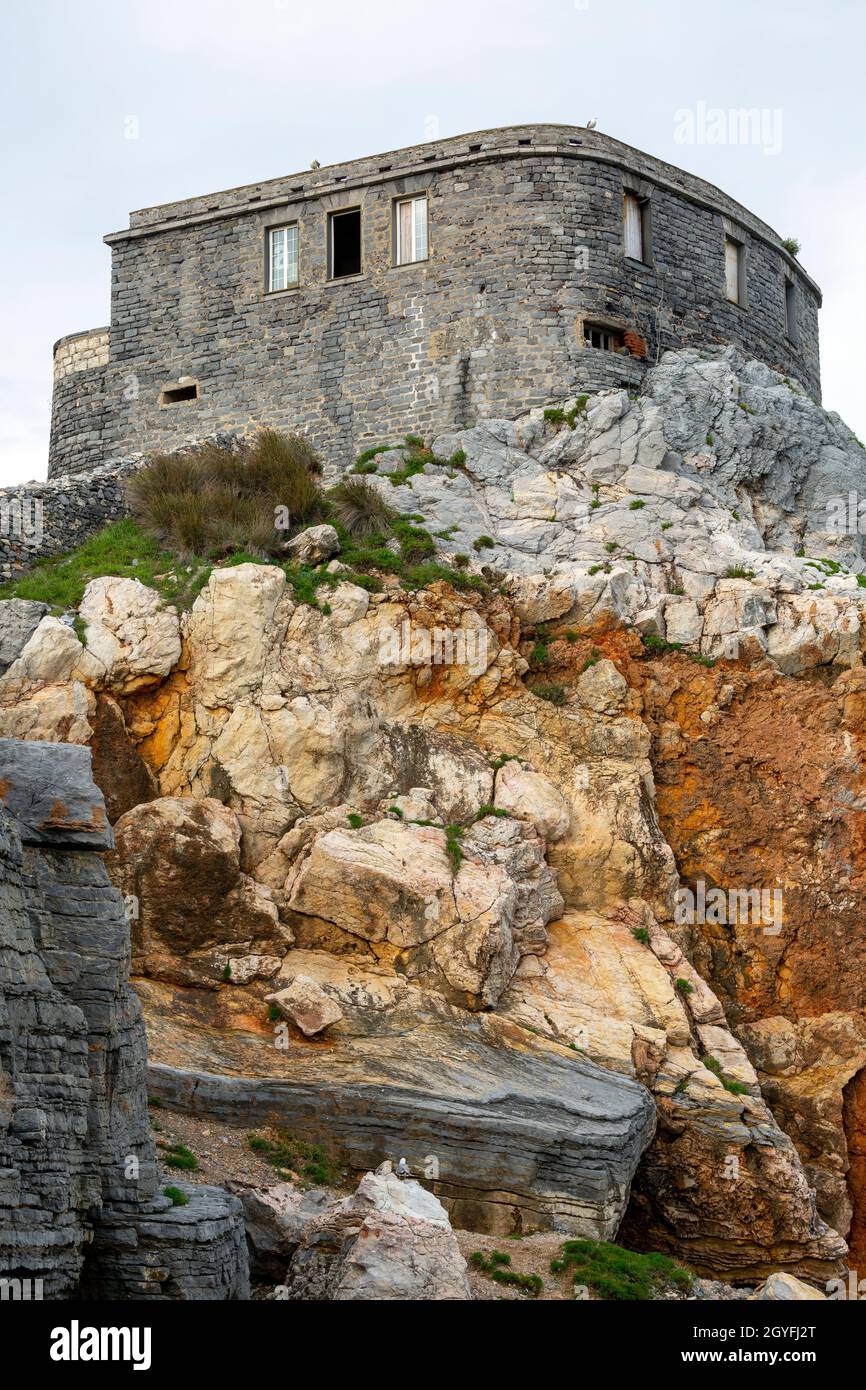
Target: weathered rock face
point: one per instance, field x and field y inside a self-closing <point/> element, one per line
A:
<point x="391" y="1240"/>
<point x="197" y="916"/>
<point x="75" y="1147"/>
<point x="466" y="893"/>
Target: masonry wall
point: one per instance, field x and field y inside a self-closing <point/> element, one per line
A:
<point x="526" y="243"/>
<point x="78" y="402"/>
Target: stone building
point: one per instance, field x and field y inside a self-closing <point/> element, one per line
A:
<point x="420" y="290"/>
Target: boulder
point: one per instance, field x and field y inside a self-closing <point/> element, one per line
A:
<point x="391" y="1240"/>
<point x="19" y="619"/>
<point x="195" y="910"/>
<point x="276" y="1219"/>
<point x="527" y="794"/>
<point x="130" y="636"/>
<point x="786" y="1288"/>
<point x="307" y="1005"/>
<point x="314" y="545"/>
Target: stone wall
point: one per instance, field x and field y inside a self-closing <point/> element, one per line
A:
<point x="49" y="518"/>
<point x="78" y="402"/>
<point x="81" y="1206"/>
<point x="525" y="246"/>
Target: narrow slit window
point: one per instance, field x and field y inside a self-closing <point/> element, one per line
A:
<point x="181" y="391"/>
<point x="282" y="257"/>
<point x="411" y="216"/>
<point x="791" y="311"/>
<point x="734" y="271"/>
<point x="633" y="227"/>
<point x="345" y="247"/>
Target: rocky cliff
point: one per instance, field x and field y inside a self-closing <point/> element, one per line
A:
<point x="81" y="1209"/>
<point x="407" y="866"/>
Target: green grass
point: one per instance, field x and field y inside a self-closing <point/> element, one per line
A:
<point x="123" y="549"/>
<point x="641" y="934"/>
<point x="178" y="1198"/>
<point x="179" y="1156"/>
<point x="496" y="1266"/>
<point x="355" y="820"/>
<point x="550" y="691"/>
<point x="618" y="1274"/>
<point x="453" y="847"/>
<point x="737" y="572"/>
<point x="289" y="1154"/>
<point x="684" y="987"/>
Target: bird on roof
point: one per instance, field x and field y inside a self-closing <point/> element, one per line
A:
<point x="403" y="1170"/>
<point x="315" y="164"/>
<point x="591" y="125"/>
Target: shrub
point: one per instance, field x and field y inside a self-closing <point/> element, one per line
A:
<point x="616" y="1273"/>
<point x="738" y="572"/>
<point x="483" y="543"/>
<point x="178" y="1198"/>
<point x="359" y="508"/>
<point x="791" y="245"/>
<point x="641" y="934"/>
<point x="453" y="847"/>
<point x="355" y="820"/>
<point x="636" y="504"/>
<point x="179" y="1156"/>
<point x="287" y="1153"/>
<point x="211" y="501"/>
<point x="684" y="987"/>
<point x="553" y="693"/>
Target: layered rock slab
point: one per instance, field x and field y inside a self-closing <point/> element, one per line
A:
<point x="516" y="1133"/>
<point x="79" y="1186"/>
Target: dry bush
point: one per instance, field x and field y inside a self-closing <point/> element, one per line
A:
<point x="212" y="501"/>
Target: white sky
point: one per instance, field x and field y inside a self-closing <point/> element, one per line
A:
<point x="231" y="91"/>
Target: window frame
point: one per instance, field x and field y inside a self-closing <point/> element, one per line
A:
<point x="397" y="204"/>
<point x="332" y="217"/>
<point x="792" y="311"/>
<point x="644" y="213"/>
<point x="269" y="234"/>
<point x="742" y="299"/>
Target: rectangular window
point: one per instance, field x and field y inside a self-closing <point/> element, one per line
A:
<point x="791" y="310"/>
<point x="344" y="251"/>
<point x="633" y="226"/>
<point x="283" y="257"/>
<point x="735" y="289"/>
<point x="411" y="230"/>
<point x="605" y="339"/>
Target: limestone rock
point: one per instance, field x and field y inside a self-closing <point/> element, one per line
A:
<point x="786" y="1288"/>
<point x="391" y="1240"/>
<point x="275" y="1219"/>
<point x="179" y="859"/>
<point x="306" y="1004"/>
<point x="528" y="794"/>
<point x="48" y="788"/>
<point x="314" y="545"/>
<point x="19" y="619"/>
<point x="80" y="1206"/>
<point x="130" y="636"/>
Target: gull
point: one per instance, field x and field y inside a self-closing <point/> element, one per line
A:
<point x="591" y="125"/>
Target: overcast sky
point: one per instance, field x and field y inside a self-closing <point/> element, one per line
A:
<point x="225" y="92"/>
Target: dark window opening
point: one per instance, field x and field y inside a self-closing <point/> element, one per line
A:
<point x="345" y="243"/>
<point x="173" y="395"/>
<point x="595" y="335"/>
<point x="791" y="311"/>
